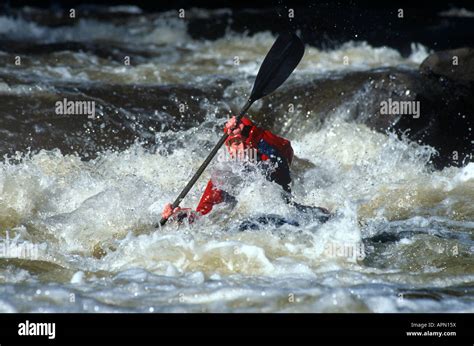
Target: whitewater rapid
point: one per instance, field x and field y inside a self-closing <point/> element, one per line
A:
<point x="84" y="230"/>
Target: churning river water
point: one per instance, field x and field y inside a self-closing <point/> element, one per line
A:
<point x="80" y="194"/>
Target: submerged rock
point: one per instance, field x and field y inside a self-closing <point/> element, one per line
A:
<point x="123" y="114"/>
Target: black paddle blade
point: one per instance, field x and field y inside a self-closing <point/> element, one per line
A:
<point x="280" y="61"/>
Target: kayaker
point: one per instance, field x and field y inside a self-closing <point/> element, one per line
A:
<point x="273" y="152"/>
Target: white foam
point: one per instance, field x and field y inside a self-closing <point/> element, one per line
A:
<point x="77" y="278"/>
<point x="457" y="12"/>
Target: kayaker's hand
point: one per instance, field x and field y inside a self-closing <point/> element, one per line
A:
<point x="232" y="127"/>
<point x="178" y="214"/>
<point x="168" y="211"/>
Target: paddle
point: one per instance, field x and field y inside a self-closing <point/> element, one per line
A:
<point x="277" y="66"/>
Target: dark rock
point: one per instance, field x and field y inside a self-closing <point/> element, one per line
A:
<point x="456" y="64"/>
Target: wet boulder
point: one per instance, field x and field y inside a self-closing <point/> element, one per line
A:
<point x="455" y="64"/>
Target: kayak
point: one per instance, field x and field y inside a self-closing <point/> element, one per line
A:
<point x="304" y="215"/>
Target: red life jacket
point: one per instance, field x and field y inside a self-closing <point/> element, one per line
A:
<point x="254" y="135"/>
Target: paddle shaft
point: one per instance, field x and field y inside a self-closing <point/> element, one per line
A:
<point x="205" y="163"/>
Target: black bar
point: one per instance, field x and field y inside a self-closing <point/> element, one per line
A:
<point x="380" y="329"/>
